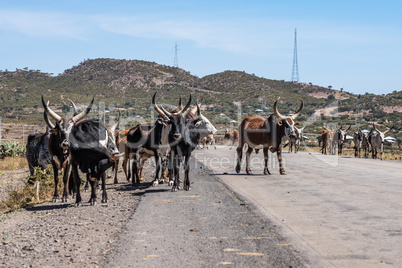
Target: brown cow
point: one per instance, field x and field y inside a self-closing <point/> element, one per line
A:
<point x="266" y="133"/>
<point x="327" y="138"/>
<point x="208" y="140"/>
<point x="121" y="142"/>
<point x="232" y="136"/>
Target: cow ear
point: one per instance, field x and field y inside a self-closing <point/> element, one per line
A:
<point x="53" y="131"/>
<point x="165" y="122"/>
<point x="297" y="124"/>
<point x="198" y="123"/>
<point x="280" y="123"/>
<point x="188" y="121"/>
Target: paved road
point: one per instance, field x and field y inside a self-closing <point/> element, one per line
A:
<point x="343" y="211"/>
<point x="208" y="226"/>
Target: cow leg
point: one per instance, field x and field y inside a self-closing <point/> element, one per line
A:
<point x="279" y="154"/>
<point x="170" y="168"/>
<point x="66" y="176"/>
<point x="135" y="178"/>
<point x="186" y="183"/>
<point x="115" y="168"/>
<point x="86" y="187"/>
<point x="239" y="151"/>
<point x="266" y="171"/>
<point x="77" y="184"/>
<point x="56" y="181"/>
<point x="176" y="167"/>
<point x="104" y="194"/>
<point x="248" y="153"/>
<point x="92" y="182"/>
<point x="158" y="167"/>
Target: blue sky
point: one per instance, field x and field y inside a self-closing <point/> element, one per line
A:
<point x="354" y="45"/>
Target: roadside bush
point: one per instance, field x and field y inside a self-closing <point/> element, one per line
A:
<point x="11" y="149"/>
<point x="37" y="189"/>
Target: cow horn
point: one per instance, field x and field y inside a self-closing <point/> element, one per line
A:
<point x="47" y="121"/>
<point x="113" y="128"/>
<point x="158" y="110"/>
<point x="74" y="107"/>
<point x="299" y="111"/>
<point x="376" y="128"/>
<point x="276" y="109"/>
<point x="198" y="110"/>
<point x="349" y="127"/>
<point x="166" y="112"/>
<point x="50" y="112"/>
<point x="185" y="110"/>
<point x="81" y="115"/>
<point x="180" y="106"/>
<point x="389" y="129"/>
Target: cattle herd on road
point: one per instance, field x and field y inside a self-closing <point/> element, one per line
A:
<point x="75" y="142"/>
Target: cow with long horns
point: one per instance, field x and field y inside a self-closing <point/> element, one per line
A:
<point x="377" y="142"/>
<point x="341" y="137"/>
<point x="184" y="136"/>
<point x="266" y="133"/>
<point x="59" y="145"/>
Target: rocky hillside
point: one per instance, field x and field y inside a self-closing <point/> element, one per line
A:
<point x="130" y="84"/>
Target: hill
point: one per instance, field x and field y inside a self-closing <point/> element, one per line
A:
<point x="230" y="95"/>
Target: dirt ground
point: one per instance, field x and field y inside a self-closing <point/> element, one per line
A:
<point x="60" y="234"/>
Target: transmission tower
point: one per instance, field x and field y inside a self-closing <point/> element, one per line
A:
<point x="176" y="59"/>
<point x="295" y="69"/>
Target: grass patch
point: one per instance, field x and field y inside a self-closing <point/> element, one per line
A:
<point x="13" y="163"/>
<point x="39" y="188"/>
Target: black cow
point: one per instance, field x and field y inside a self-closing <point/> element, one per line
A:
<point x="93" y="149"/>
<point x="37" y="150"/>
<point x="183" y="139"/>
<point x="59" y="145"/>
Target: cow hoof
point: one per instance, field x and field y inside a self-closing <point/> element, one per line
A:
<point x="78" y="204"/>
<point x="155" y="183"/>
<point x="282" y="172"/>
<point x="54" y="200"/>
<point x="266" y="172"/>
<point x="104" y="201"/>
<point x="115" y="182"/>
<point x="170" y="183"/>
<point x="249" y="172"/>
<point x="238" y="169"/>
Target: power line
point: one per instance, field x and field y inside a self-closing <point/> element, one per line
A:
<point x="295" y="69"/>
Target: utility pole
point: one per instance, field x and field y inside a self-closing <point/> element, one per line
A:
<point x="295" y="69"/>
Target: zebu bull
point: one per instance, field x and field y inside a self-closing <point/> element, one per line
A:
<point x="327" y="138"/>
<point x="377" y="142"/>
<point x="59" y="145"/>
<point x="358" y="140"/>
<point x="295" y="141"/>
<point x="208" y="140"/>
<point x="231" y="136"/>
<point x="37" y="150"/>
<point x="341" y="137"/>
<point x="93" y="150"/>
<point x="184" y="136"/>
<point x="258" y="131"/>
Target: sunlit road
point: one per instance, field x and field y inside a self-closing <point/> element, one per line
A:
<point x="343" y="211"/>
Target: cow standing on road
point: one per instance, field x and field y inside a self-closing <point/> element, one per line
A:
<point x="358" y="140"/>
<point x="295" y="141"/>
<point x="377" y="142"/>
<point x="231" y="136"/>
<point x="258" y="131"/>
<point x="327" y="138"/>
<point x="341" y="137"/>
<point x="59" y="145"/>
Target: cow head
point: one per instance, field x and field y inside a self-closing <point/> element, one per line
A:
<point x="381" y="134"/>
<point x="342" y="134"/>
<point x="288" y="121"/>
<point x="176" y="119"/>
<point x="64" y="125"/>
<point x="204" y="126"/>
<point x="111" y="137"/>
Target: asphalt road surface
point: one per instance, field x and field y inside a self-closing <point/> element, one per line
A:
<point x="338" y="211"/>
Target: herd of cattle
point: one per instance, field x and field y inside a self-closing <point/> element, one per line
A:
<point x="75" y="142"/>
